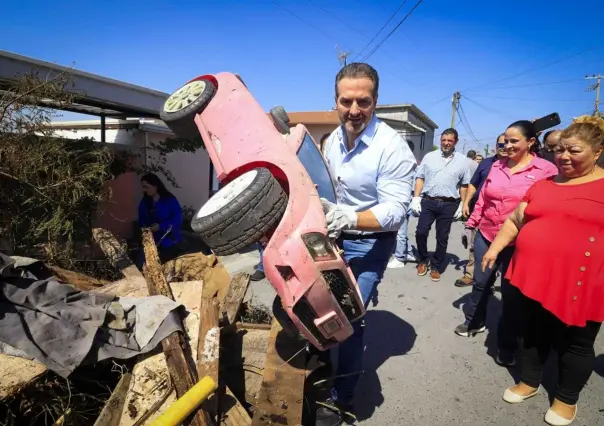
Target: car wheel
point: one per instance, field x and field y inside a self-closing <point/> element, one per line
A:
<point x="180" y="108"/>
<point x="241" y="212"/>
<point x="283" y="319"/>
<point x="280" y="119"/>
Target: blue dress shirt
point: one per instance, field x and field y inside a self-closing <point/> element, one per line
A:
<point x="376" y="174"/>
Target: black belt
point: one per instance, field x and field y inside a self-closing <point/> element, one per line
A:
<point x="372" y="236"/>
<point x="446" y="199"/>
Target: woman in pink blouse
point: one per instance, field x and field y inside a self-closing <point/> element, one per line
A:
<point x="506" y="184"/>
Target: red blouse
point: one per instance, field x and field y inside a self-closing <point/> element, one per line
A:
<point x="559" y="257"/>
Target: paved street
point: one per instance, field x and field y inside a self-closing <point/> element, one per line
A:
<point x="419" y="372"/>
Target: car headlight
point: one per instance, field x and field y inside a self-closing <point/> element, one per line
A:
<point x="319" y="246"/>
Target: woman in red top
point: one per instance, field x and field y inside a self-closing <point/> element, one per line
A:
<point x="558" y="266"/>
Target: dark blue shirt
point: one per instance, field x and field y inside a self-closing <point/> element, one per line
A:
<point x="480" y="176"/>
<point x="167" y="213"/>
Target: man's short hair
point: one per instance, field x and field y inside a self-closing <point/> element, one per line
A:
<point x="472" y="154"/>
<point x="451" y="131"/>
<point x="359" y="70"/>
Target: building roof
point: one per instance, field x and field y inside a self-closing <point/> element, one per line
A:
<point x="97" y="95"/>
<point x="418" y="112"/>
<point x="314" y="117"/>
<point x="149" y="125"/>
<point x="331" y="117"/>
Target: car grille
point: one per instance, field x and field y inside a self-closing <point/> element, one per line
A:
<point x="343" y="293"/>
<point x="307" y="315"/>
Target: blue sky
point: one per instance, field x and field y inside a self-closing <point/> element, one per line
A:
<point x="286" y="50"/>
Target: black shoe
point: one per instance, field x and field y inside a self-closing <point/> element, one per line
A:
<point x="257" y="275"/>
<point x="335" y="415"/>
<point x="467" y="329"/>
<point x="505" y="360"/>
<point x="463" y="282"/>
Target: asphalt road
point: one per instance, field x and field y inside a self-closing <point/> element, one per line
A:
<point x="418" y="372"/>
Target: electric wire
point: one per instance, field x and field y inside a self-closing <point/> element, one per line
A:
<point x="381" y="29"/>
<point x="375" y="49"/>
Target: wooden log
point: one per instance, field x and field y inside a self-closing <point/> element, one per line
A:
<point x="78" y="280"/>
<point x="174" y="346"/>
<point x="115" y="252"/>
<point x="282" y="392"/>
<point x="208" y="347"/>
<point x="151" y="391"/>
<point x="234" y="298"/>
<point x="111" y="414"/>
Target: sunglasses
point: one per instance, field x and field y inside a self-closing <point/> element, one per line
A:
<point x="500" y="145"/>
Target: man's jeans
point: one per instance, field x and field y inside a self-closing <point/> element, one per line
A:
<point x="367" y="259"/>
<point x="442" y="212"/>
<point x="476" y="307"/>
<point x="260" y="265"/>
<point x="403" y="248"/>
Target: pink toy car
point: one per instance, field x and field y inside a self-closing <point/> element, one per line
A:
<point x="269" y="177"/>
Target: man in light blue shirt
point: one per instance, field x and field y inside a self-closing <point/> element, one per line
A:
<point x="372" y="166"/>
<point x="440" y="188"/>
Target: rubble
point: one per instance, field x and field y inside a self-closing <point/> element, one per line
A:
<point x="260" y="371"/>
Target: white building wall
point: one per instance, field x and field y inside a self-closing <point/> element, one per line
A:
<point x="190" y="170"/>
<point x="421" y="146"/>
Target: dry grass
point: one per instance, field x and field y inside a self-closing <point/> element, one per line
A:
<point x="79" y="399"/>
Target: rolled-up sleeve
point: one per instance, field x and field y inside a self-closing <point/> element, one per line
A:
<point x="394" y="184"/>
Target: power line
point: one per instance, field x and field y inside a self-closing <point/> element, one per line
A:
<point x="465" y="122"/>
<point x="547" y="83"/>
<point x="529" y="99"/>
<point x="514" y="87"/>
<point x="545" y="65"/>
<point x="405" y="80"/>
<point x="488" y="109"/>
<point x="381" y="29"/>
<point x="392" y="32"/>
<point x="305" y="21"/>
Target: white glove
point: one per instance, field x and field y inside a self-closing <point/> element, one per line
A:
<point x="457" y="215"/>
<point x="416" y="205"/>
<point x="339" y="218"/>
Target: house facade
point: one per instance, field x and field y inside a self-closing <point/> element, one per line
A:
<point x="193" y="172"/>
<point x="411" y="123"/>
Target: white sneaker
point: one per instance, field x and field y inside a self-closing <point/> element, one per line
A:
<point x="410" y="258"/>
<point x="395" y="264"/>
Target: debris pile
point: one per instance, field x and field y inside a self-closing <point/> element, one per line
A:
<point x="259" y="371"/>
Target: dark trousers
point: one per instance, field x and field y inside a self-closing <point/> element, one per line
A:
<point x="442" y="212"/>
<point x="542" y="330"/>
<point x="476" y="307"/>
<point x="368" y="259"/>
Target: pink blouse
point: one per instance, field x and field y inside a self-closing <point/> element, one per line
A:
<point x="502" y="191"/>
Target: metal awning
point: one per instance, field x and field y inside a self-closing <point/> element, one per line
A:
<point x="100" y="96"/>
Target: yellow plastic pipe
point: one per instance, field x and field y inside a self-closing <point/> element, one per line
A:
<point x="178" y="412"/>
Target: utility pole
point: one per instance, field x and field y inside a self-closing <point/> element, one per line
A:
<point x="595" y="87"/>
<point x="342" y="57"/>
<point x="455" y="105"/>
